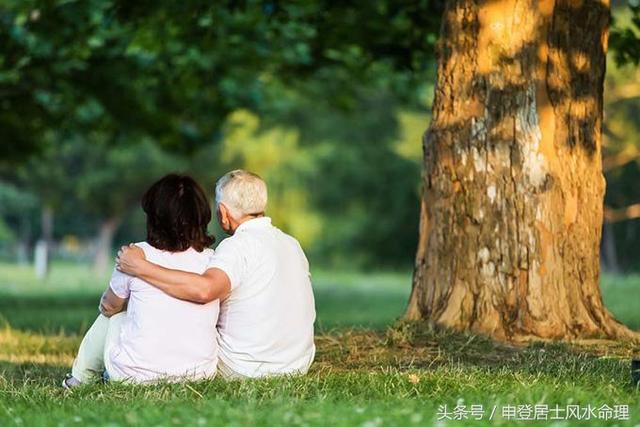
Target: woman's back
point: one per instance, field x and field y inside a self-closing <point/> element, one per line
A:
<point x="163" y="337"/>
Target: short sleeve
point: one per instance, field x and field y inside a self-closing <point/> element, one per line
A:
<point x="120" y="284"/>
<point x="228" y="257"/>
<point x="305" y="260"/>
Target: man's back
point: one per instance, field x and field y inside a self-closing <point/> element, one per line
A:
<point x="266" y="324"/>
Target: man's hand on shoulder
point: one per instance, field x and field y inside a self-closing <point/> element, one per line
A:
<point x="130" y="260"/>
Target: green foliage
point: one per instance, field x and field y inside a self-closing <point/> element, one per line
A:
<point x="362" y="169"/>
<point x="364" y="176"/>
<point x="625" y="35"/>
<point x="16" y="209"/>
<point x="86" y="182"/>
<point x="92" y="92"/>
<point x="342" y="183"/>
<point x="172" y="71"/>
<point x="6" y="235"/>
<point x="17" y="213"/>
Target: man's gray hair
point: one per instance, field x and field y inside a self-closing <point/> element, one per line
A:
<point x="244" y="193"/>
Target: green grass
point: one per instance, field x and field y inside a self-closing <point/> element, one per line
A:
<point x="366" y="374"/>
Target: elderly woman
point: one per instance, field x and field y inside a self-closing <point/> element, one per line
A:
<point x="144" y="334"/>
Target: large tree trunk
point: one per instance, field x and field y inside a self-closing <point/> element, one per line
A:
<point x="513" y="187"/>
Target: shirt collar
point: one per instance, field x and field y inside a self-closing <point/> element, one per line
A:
<point x="263" y="221"/>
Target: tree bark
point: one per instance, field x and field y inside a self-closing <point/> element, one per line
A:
<point x="104" y="242"/>
<point x="513" y="188"/>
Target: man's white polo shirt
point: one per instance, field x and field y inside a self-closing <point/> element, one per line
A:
<point x="266" y="324"/>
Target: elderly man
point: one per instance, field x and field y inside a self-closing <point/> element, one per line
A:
<point x="261" y="276"/>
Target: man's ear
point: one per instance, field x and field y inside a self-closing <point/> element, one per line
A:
<point x="225" y="220"/>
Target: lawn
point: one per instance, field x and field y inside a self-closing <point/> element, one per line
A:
<point x="369" y="371"/>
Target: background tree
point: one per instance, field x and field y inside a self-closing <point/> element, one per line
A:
<point x="621" y="162"/>
<point x="17" y="216"/>
<point x="621" y="165"/>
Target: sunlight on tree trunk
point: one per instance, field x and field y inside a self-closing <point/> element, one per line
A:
<point x="513" y="188"/>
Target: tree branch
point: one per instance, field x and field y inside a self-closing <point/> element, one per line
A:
<point x="622" y="214"/>
<point x="612" y="161"/>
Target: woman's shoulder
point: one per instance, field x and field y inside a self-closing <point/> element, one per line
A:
<point x="147" y="248"/>
<point x="199" y="260"/>
<point x="175" y="259"/>
<point x="144" y="245"/>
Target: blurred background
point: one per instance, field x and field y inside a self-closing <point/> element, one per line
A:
<point x="327" y="101"/>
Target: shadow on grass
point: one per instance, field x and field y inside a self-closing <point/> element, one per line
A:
<point x="417" y="347"/>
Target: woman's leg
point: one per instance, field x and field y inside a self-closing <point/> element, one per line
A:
<point x="89" y="363"/>
<point x="112" y="338"/>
